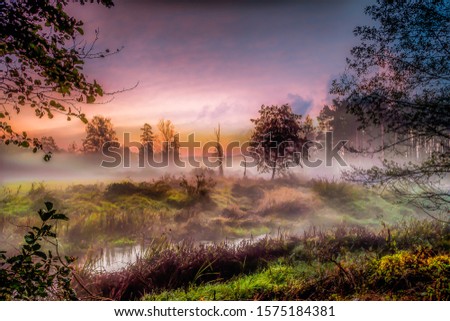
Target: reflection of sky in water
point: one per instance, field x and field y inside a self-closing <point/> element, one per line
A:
<point x="111" y="259"/>
<point x="115" y="258"/>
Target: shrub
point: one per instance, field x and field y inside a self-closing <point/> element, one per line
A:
<point x="33" y="274"/>
<point x="334" y="190"/>
<point x="120" y="189"/>
<point x="198" y="187"/>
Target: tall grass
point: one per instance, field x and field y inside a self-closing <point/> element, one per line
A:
<point x="340" y="263"/>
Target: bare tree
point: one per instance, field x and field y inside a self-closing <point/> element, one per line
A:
<point x="219" y="150"/>
<point x="167" y="130"/>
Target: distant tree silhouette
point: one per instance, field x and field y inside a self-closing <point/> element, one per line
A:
<point x="344" y="125"/>
<point x="49" y="144"/>
<point x="219" y="150"/>
<point x="277" y="134"/>
<point x="73" y="148"/>
<point x="147" y="136"/>
<point x="398" y="78"/>
<point x="308" y="128"/>
<point x="42" y="68"/>
<point x="100" y="134"/>
<point x="167" y="130"/>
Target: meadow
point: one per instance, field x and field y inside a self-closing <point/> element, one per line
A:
<point x="206" y="237"/>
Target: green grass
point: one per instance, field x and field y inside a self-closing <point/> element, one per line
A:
<point x="234" y="208"/>
<point x="275" y="279"/>
<point x="409" y="261"/>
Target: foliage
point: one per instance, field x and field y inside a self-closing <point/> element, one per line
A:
<point x="277" y="134"/>
<point x="198" y="187"/>
<point x="157" y="189"/>
<point x="399" y="77"/>
<point x="34" y="274"/>
<point x="170" y="266"/>
<point x="72" y="148"/>
<point x="334" y="191"/>
<point x="344" y="263"/>
<point x="147" y="136"/>
<point x="100" y="135"/>
<point x="167" y="130"/>
<point x="49" y="144"/>
<point x="43" y="64"/>
<point x="336" y="118"/>
<point x="404" y="268"/>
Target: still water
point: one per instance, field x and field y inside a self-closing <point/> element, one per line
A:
<point x="111" y="259"/>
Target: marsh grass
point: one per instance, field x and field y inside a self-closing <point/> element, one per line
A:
<point x="336" y="259"/>
<point x="343" y="264"/>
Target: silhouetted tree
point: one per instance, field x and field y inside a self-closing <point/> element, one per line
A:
<point x="72" y="148"/>
<point x="42" y="64"/>
<point x="49" y="144"/>
<point x="147" y="136"/>
<point x="308" y="128"/>
<point x="277" y="133"/>
<point x="219" y="150"/>
<point x="167" y="130"/>
<point x="399" y="78"/>
<point x="100" y="134"/>
<point x="344" y="125"/>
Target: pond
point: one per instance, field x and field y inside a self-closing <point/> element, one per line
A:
<point x="115" y="258"/>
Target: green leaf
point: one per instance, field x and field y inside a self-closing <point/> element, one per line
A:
<point x="44" y="215"/>
<point x="49" y="206"/>
<point x="80" y="30"/>
<point x="25" y="144"/>
<point x="2" y="115"/>
<point x="90" y="99"/>
<point x="29" y="238"/>
<point x="41" y="254"/>
<point x="84" y="119"/>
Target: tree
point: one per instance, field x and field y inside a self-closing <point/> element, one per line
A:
<point x="219" y="150"/>
<point x="100" y="135"/>
<point x="344" y="125"/>
<point x="167" y="130"/>
<point x="147" y="136"/>
<point x="73" y="148"/>
<point x="308" y="128"/>
<point x="398" y="77"/>
<point x="42" y="61"/>
<point x="49" y="144"/>
<point x="277" y="135"/>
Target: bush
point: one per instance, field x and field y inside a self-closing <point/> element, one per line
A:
<point x="334" y="190"/>
<point x="120" y="189"/>
<point x="198" y="187"/>
<point x="33" y="274"/>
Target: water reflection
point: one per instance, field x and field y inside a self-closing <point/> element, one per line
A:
<point x="114" y="258"/>
<point x="111" y="259"/>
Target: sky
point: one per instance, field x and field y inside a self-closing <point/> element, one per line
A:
<point x="202" y="62"/>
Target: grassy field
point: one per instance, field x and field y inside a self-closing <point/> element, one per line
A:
<point x="198" y="208"/>
<point x="302" y="239"/>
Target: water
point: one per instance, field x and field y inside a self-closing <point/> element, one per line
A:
<point x="115" y="258"/>
<point x="110" y="259"/>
